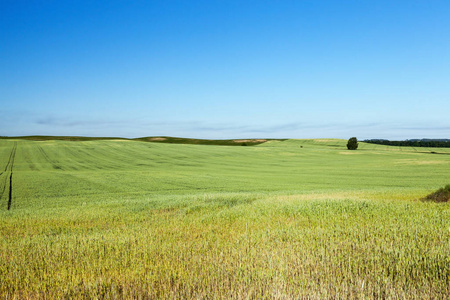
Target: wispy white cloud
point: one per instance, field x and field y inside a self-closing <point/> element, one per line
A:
<point x="17" y="123"/>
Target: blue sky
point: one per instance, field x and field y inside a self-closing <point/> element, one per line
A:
<point x="225" y="69"/>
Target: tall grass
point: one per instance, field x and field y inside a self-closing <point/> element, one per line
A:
<point x="230" y="245"/>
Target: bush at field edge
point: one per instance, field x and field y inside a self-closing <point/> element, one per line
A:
<point x="441" y="195"/>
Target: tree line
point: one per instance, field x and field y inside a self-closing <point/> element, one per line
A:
<point x="441" y="143"/>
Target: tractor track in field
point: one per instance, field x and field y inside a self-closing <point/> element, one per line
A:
<point x="55" y="164"/>
<point x="9" y="169"/>
<point x="11" y="158"/>
<point x="10" y="191"/>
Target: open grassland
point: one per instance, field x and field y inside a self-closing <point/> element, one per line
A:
<point x="284" y="219"/>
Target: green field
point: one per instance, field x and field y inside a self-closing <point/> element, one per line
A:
<point x="278" y="220"/>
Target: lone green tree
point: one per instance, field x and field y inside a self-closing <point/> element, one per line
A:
<point x="352" y="143"/>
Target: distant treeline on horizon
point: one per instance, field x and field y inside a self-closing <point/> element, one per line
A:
<point x="437" y="143"/>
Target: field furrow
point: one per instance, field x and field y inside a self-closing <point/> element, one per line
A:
<point x="7" y="174"/>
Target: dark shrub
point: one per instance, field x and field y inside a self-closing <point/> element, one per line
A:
<point x="352" y="144"/>
<point x="441" y="195"/>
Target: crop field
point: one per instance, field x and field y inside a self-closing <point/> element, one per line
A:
<point x="278" y="220"/>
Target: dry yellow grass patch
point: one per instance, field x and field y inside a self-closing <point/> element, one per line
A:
<point x="420" y="162"/>
<point x="325" y="140"/>
<point x="350" y="195"/>
<point x="244" y="141"/>
<point x="317" y="196"/>
<point x="349" y="152"/>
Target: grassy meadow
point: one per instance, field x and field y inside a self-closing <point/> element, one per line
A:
<point x="278" y="220"/>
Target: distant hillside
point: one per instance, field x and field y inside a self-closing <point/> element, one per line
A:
<point x="155" y="139"/>
<point x="177" y="140"/>
<point x="60" y="138"/>
<point x="439" y="143"/>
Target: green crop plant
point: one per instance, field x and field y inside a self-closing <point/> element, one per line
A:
<point x="283" y="219"/>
